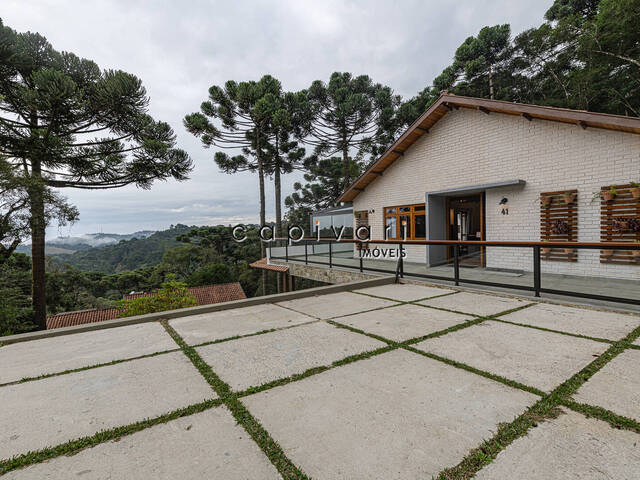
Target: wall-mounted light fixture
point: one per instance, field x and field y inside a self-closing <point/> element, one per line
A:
<point x="503" y="206"/>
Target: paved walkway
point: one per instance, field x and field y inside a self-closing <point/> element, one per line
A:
<point x="390" y="382"/>
<point x="612" y="287"/>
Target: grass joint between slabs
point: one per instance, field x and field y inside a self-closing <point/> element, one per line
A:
<point x="560" y="332"/>
<point x="546" y="408"/>
<point x="468" y="368"/>
<point x="591" y="411"/>
<point x="405" y="301"/>
<point x="88" y="367"/>
<point x="75" y="446"/>
<point x="267" y="444"/>
<point x="261" y="332"/>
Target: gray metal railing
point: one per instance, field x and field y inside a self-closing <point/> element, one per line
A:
<point x="332" y="253"/>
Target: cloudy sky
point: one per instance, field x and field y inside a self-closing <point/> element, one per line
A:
<point x="180" y="49"/>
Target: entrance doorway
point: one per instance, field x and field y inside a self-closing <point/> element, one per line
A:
<point x="465" y="221"/>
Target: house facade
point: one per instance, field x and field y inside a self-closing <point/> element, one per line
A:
<point x="477" y="169"/>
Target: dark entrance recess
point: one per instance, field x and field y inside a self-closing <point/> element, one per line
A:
<point x="465" y="221"/>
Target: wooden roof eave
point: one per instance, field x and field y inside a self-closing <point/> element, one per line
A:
<point x="447" y="102"/>
<point x="395" y="151"/>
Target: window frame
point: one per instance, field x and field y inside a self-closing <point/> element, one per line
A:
<point x="395" y="212"/>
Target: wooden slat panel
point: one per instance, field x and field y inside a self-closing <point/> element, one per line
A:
<point x="623" y="205"/>
<point x="559" y="209"/>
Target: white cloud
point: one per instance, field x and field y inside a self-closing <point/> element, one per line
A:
<point x="180" y="49"/>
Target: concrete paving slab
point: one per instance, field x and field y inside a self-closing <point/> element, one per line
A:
<point x="253" y="361"/>
<point x="54" y="410"/>
<point x="238" y="321"/>
<point x="616" y="386"/>
<point x="567" y="448"/>
<point x="335" y="304"/>
<point x="398" y="415"/>
<point x="637" y="342"/>
<point x="184" y="448"/>
<point x="67" y="352"/>
<point x="582" y="321"/>
<point x="405" y="292"/>
<point x="404" y="322"/>
<point x="533" y="357"/>
<point x="475" y="303"/>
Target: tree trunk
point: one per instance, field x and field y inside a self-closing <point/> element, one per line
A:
<point x="263" y="250"/>
<point x="278" y="190"/>
<point x="36" y="198"/>
<point x="345" y="167"/>
<point x="490" y="83"/>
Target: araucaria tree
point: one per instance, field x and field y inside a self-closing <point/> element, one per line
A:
<point x="290" y="118"/>
<point x="238" y="117"/>
<point x="353" y="117"/>
<point x="323" y="186"/>
<point x="15" y="225"/>
<point x="64" y="123"/>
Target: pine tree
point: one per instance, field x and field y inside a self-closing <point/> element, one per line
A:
<point x="323" y="187"/>
<point x="480" y="59"/>
<point x="353" y="117"/>
<point x="239" y="117"/>
<point x="290" y="118"/>
<point x="15" y="225"/>
<point x="64" y="123"/>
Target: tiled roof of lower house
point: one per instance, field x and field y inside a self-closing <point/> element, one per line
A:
<point x="205" y="295"/>
<point x="80" y="317"/>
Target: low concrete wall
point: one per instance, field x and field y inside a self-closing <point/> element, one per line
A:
<point x="184" y="312"/>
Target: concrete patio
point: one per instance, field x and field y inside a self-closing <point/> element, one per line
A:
<point x="590" y="285"/>
<point x="387" y="381"/>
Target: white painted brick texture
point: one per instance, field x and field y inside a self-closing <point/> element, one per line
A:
<point x="468" y="147"/>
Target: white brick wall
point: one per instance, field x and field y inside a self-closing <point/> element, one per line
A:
<point x="468" y="147"/>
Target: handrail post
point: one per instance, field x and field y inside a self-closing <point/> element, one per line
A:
<point x="330" y="257"/>
<point x="360" y="255"/>
<point x="456" y="264"/>
<point x="536" y="270"/>
<point x="401" y="262"/>
<point x="286" y="250"/>
<point x="306" y="255"/>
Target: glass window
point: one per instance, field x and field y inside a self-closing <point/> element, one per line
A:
<point x="391" y="227"/>
<point x="324" y="225"/>
<point x="406" y="217"/>
<point x="420" y="226"/>
<point x="405" y="226"/>
<point x="343" y="220"/>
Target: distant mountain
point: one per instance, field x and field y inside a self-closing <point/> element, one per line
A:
<point x="127" y="254"/>
<point x="68" y="245"/>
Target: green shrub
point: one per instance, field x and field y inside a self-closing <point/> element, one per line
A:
<point x="171" y="296"/>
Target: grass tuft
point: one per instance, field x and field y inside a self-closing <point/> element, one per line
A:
<point x="74" y="446"/>
<point x="244" y="418"/>
<point x="547" y="407"/>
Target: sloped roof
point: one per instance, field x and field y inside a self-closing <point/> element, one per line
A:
<point x="205" y="295"/>
<point x="263" y="265"/>
<point x="447" y="102"/>
<point x="80" y="317"/>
